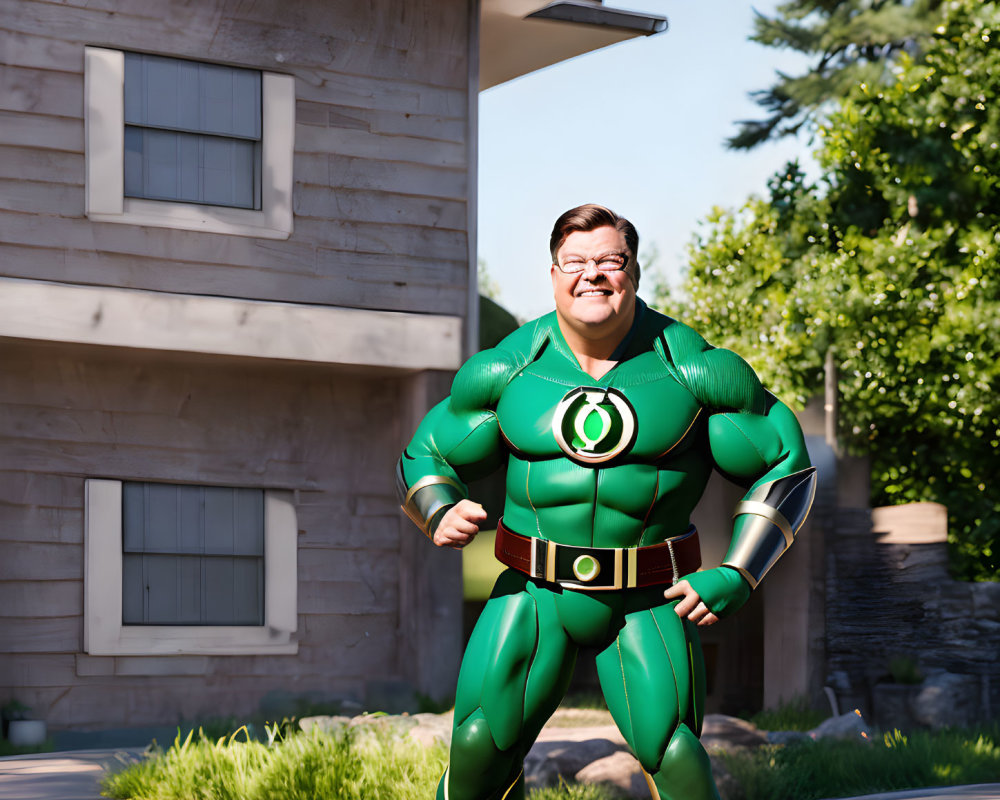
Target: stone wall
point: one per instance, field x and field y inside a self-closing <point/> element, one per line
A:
<point x="889" y="599"/>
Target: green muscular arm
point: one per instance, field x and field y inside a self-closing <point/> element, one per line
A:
<point x="458" y="441"/>
<point x="755" y="441"/>
<point x="768" y="453"/>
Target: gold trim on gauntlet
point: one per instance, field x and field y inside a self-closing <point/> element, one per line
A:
<point x="428" y="499"/>
<point x="767" y="521"/>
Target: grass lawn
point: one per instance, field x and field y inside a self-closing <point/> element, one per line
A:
<point x="350" y="764"/>
<point x="347" y="765"/>
<point x="375" y="761"/>
<point x="808" y="770"/>
<point x="370" y="764"/>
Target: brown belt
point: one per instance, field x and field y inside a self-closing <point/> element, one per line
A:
<point x="599" y="568"/>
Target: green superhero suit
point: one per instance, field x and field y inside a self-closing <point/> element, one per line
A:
<point x="604" y="468"/>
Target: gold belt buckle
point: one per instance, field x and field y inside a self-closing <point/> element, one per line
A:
<point x="626" y="567"/>
<point x="543" y="565"/>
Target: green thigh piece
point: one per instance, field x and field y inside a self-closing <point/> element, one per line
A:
<point x="515" y="672"/>
<point x="652" y="676"/>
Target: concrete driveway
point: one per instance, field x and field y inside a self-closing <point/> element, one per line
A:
<point x="71" y="775"/>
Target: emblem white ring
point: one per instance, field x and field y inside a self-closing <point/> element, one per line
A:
<point x="584" y="401"/>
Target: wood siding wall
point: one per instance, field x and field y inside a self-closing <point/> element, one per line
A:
<point x="381" y="154"/>
<point x="381" y="198"/>
<point x="68" y="415"/>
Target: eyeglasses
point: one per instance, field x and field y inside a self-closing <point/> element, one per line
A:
<point x="612" y="262"/>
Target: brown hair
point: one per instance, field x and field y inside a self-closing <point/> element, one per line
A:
<point x="590" y="217"/>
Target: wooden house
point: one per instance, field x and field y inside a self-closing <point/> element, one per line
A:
<point x="237" y="263"/>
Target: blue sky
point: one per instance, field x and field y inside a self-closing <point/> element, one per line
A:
<point x="638" y="127"/>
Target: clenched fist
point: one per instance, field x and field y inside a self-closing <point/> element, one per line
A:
<point x="459" y="525"/>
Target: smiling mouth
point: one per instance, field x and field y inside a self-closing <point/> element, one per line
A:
<point x="593" y="293"/>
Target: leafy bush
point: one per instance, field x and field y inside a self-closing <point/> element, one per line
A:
<point x="888" y="263"/>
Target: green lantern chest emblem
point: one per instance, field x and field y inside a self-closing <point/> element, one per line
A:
<point x="594" y="424"/>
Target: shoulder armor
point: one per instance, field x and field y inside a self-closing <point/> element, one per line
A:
<point x="481" y="380"/>
<point x="719" y="378"/>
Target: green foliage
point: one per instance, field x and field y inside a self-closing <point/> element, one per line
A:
<point x="488" y="286"/>
<point x="574" y="791"/>
<point x="808" y="770"/>
<point x="904" y="669"/>
<point x="888" y="261"/>
<point x="794" y="715"/>
<point x="345" y="765"/>
<point x="495" y="323"/>
<point x="7" y="749"/>
<point x="852" y="41"/>
<point x="349" y="764"/>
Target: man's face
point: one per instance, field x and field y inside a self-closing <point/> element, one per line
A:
<point x="594" y="303"/>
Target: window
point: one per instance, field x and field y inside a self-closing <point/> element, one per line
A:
<point x="188" y="569"/>
<point x="192" y="555"/>
<point x="192" y="132"/>
<point x="183" y="144"/>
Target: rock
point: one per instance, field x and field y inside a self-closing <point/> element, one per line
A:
<point x="547" y="761"/>
<point x="594" y="751"/>
<point x="325" y="724"/>
<point x="947" y="699"/>
<point x="847" y="726"/>
<point x="986" y="601"/>
<point x="431" y="728"/>
<point x="557" y="734"/>
<point x="620" y="772"/>
<point x="393" y="725"/>
<point x="730" y="733"/>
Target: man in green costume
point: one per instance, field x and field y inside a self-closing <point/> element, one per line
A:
<point x="610" y="417"/>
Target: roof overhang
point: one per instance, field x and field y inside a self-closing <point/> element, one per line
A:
<point x="520" y="36"/>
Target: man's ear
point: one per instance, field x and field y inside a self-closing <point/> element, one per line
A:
<point x="554" y="275"/>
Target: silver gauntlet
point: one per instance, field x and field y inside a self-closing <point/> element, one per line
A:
<point x="428" y="499"/>
<point x="767" y="521"/>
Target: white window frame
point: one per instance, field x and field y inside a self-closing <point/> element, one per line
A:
<point x="103" y="631"/>
<point x="104" y="147"/>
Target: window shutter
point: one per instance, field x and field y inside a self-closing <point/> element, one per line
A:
<point x="192" y="131"/>
<point x="192" y="555"/>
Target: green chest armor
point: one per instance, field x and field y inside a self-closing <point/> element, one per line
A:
<point x="637" y="413"/>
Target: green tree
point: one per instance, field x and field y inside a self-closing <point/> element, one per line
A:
<point x="889" y="260"/>
<point x="849" y="42"/>
<point x="488" y="285"/>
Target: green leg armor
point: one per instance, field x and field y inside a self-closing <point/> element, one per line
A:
<point x="654" y="686"/>
<point x="685" y="772"/>
<point x="514" y="673"/>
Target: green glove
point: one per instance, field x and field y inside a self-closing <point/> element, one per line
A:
<point x="722" y="589"/>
